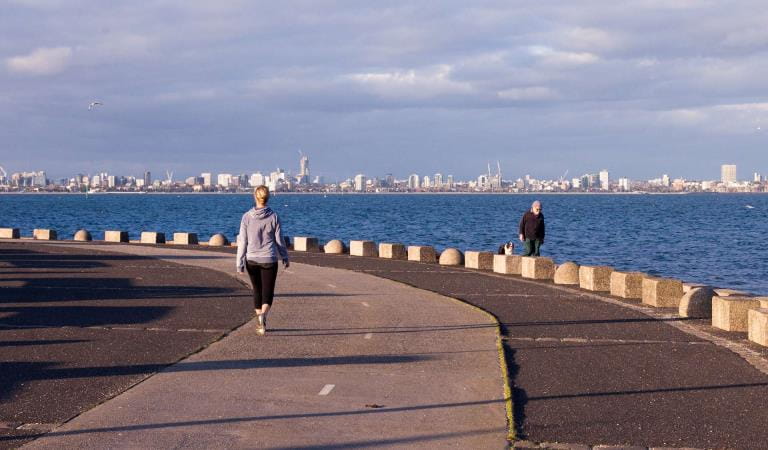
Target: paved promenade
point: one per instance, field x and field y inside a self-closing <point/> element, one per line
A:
<point x="591" y="369"/>
<point x="350" y="360"/>
<point x="398" y="366"/>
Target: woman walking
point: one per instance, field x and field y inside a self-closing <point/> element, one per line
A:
<point x="258" y="246"/>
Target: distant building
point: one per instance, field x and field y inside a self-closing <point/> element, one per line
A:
<point x="449" y="182"/>
<point x="576" y="183"/>
<point x="426" y="182"/>
<point x="757" y="178"/>
<point x="605" y="180"/>
<point x="624" y="184"/>
<point x="206" y="176"/>
<point x="728" y="173"/>
<point x="224" y="179"/>
<point x="257" y="179"/>
<point x="413" y="181"/>
<point x="665" y="180"/>
<point x="303" y="177"/>
<point x="147" y="178"/>
<point x="360" y="182"/>
<point x="483" y="182"/>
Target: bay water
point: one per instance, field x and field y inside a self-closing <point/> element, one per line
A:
<point x="717" y="239"/>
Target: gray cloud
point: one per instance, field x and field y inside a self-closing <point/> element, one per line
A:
<point x="638" y="87"/>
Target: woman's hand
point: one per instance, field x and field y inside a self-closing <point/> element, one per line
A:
<point x="286" y="264"/>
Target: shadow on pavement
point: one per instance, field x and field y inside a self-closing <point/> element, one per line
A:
<point x="301" y="332"/>
<point x="233" y="420"/>
<point x="40" y="342"/>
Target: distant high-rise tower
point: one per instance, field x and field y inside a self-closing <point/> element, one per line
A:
<point x="413" y="181"/>
<point x="605" y="180"/>
<point x="304" y="169"/>
<point x="147" y="178"/>
<point x="360" y="181"/>
<point x="728" y="173"/>
<point x="438" y="180"/>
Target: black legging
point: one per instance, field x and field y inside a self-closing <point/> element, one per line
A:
<point x="263" y="276"/>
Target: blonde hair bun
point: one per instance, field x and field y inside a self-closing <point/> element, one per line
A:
<point x="261" y="193"/>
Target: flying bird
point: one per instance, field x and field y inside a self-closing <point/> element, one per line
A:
<point x="90" y="107"/>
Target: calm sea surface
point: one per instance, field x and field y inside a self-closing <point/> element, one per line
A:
<point x="715" y="239"/>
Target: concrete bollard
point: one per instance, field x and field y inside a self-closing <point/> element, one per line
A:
<point x="305" y="244"/>
<point x="537" y="268"/>
<point x="184" y="238"/>
<point x="595" y="278"/>
<point x="115" y="236"/>
<point x="697" y="303"/>
<point x="218" y="240"/>
<point x="83" y="236"/>
<point x="478" y="260"/>
<point x="422" y="253"/>
<point x="508" y="264"/>
<point x="391" y="250"/>
<point x="627" y="284"/>
<point x="757" y="326"/>
<point x="334" y="246"/>
<point x="567" y="273"/>
<point x="731" y="313"/>
<point x="662" y="292"/>
<point x="363" y="248"/>
<point x="152" y="237"/>
<point x="44" y="234"/>
<point x="451" y="257"/>
<point x="9" y="233"/>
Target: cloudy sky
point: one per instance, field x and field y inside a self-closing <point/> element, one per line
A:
<point x="640" y="88"/>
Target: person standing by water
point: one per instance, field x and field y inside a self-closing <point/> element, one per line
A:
<point x="532" y="230"/>
<point x="259" y="245"/>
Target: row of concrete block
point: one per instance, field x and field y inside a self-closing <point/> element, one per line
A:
<point x="729" y="309"/>
<point x="147" y="237"/>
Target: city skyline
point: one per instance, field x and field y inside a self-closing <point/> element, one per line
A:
<point x="302" y="181"/>
<point x="641" y="89"/>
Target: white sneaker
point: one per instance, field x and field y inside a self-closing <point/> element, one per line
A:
<point x="260" y="325"/>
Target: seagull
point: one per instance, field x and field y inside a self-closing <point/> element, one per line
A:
<point x="90" y="107"/>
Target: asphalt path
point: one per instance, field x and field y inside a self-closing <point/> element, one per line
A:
<point x="595" y="370"/>
<point x="583" y="368"/>
<point x="77" y="327"/>
<point x="349" y="360"/>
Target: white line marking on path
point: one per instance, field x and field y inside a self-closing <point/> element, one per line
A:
<point x="366" y="304"/>
<point x="368" y="335"/>
<point x="326" y="389"/>
<point x="332" y="285"/>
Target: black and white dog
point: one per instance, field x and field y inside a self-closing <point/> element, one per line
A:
<point x="507" y="248"/>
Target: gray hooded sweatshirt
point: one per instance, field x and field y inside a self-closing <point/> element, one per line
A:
<point x="260" y="240"/>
